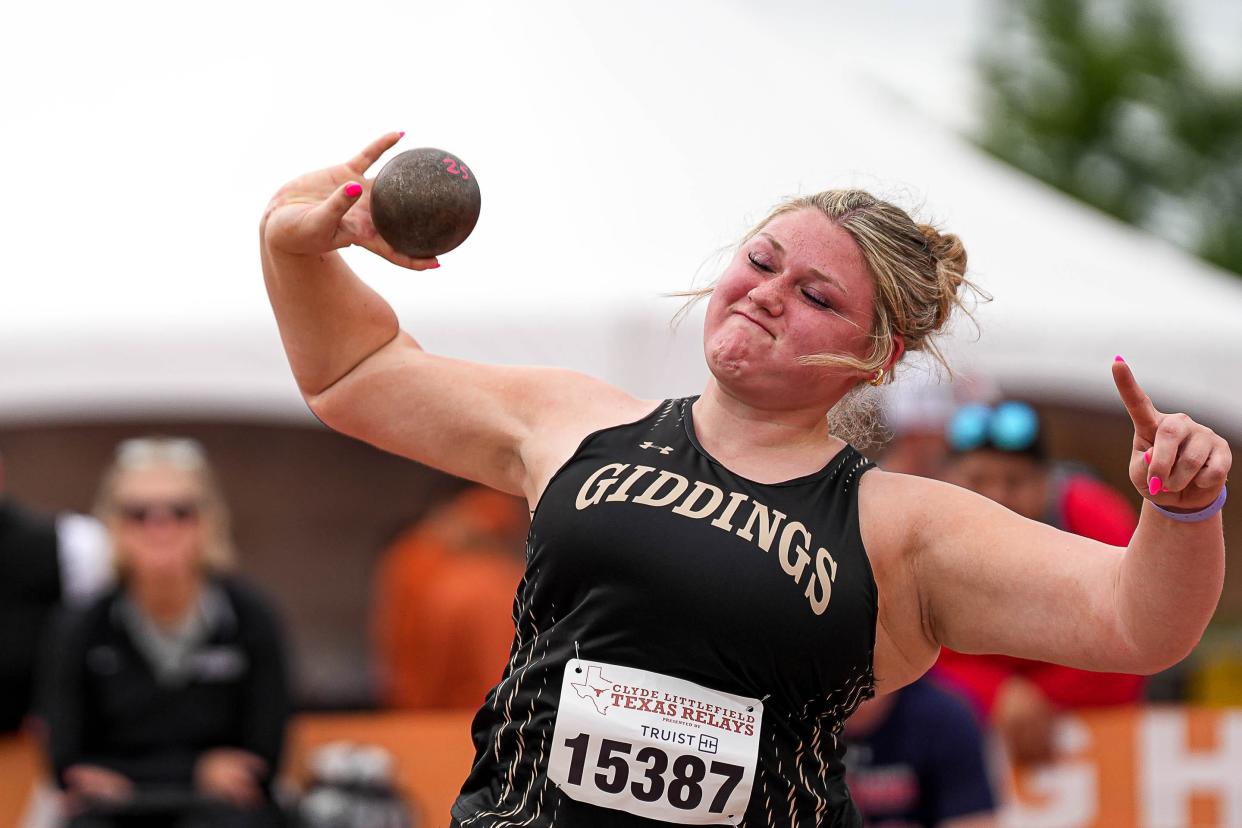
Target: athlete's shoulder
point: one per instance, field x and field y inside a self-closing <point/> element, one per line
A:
<point x="894" y="494"/>
<point x="575" y="400"/>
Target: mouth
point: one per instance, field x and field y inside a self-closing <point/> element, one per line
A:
<point x="755" y="321"/>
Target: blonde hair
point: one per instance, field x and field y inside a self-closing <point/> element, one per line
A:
<point x="218" y="553"/>
<point x="920" y="278"/>
<point x="919" y="272"/>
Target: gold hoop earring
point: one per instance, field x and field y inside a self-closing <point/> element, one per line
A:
<point x="878" y="379"/>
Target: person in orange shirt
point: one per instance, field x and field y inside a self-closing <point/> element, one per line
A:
<point x="444" y="589"/>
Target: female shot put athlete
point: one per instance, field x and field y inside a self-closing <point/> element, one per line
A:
<point x="713" y="583"/>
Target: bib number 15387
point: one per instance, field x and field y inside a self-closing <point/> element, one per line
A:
<point x="681" y="782"/>
<point x="654" y="745"/>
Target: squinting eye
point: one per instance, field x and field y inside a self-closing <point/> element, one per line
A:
<point x="762" y="265"/>
<point x="815" y="299"/>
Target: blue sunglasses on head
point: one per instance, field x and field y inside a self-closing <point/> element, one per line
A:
<point x="1010" y="426"/>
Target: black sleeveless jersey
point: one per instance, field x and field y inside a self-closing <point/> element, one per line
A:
<point x="646" y="552"/>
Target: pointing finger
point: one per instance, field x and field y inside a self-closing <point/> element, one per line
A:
<point x="362" y="162"/>
<point x="1138" y="405"/>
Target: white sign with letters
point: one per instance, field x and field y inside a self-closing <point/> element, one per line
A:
<point x="653" y="745"/>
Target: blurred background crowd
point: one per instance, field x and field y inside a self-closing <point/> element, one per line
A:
<point x="253" y="621"/>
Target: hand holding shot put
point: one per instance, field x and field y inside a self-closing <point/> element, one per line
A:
<point x="728" y="550"/>
<point x="321" y="212"/>
<point x="330" y="209"/>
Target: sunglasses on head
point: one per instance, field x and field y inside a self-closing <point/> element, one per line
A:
<point x="183" y="511"/>
<point x="1011" y="426"/>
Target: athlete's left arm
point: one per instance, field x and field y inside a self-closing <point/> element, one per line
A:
<point x="993" y="582"/>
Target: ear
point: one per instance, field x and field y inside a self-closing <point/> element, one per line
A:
<point x="899" y="348"/>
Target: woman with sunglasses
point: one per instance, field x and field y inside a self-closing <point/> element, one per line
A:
<point x="166" y="700"/>
<point x="999" y="452"/>
<point x="715" y="582"/>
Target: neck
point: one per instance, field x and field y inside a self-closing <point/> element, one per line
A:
<point x="719" y="412"/>
<point x="167" y="601"/>
<point x="766" y="445"/>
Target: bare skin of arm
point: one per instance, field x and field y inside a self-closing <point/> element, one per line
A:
<point x="505" y="427"/>
<point x="957" y="570"/>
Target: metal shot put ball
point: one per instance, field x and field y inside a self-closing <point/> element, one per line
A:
<point x="425" y="202"/>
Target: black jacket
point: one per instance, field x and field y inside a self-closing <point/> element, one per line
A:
<point x="103" y="704"/>
<point x="29" y="592"/>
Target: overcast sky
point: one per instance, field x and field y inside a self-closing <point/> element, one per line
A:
<point x="58" y="53"/>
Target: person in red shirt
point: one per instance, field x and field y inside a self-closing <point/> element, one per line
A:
<point x="998" y="452"/>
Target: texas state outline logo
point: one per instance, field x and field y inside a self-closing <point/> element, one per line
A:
<point x="596" y="689"/>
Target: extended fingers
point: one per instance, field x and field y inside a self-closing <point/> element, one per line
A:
<point x="362" y="162"/>
<point x="1138" y="405"/>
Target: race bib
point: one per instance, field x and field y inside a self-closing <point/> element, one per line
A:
<point x="653" y="745"/>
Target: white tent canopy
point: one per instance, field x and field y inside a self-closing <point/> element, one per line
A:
<point x="616" y="146"/>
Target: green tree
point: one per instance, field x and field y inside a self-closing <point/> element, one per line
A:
<point x="1102" y="101"/>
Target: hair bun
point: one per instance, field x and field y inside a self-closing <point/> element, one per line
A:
<point x="948" y="250"/>
<point x="950" y="256"/>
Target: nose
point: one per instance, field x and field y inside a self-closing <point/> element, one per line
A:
<point x="766" y="296"/>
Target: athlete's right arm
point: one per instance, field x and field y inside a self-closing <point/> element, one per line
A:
<point x="360" y="374"/>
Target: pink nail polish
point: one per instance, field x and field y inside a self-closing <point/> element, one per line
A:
<point x="1147" y="457"/>
<point x="353" y="190"/>
<point x="401" y="134"/>
<point x="1153" y="485"/>
<point x="1118" y="358"/>
<point x="434" y="266"/>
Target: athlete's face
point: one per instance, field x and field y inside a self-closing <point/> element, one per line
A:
<point x="800" y="287"/>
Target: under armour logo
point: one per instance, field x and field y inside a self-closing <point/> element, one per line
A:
<point x="663" y="449"/>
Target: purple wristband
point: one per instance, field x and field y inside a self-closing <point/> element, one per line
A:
<point x="1194" y="517"/>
